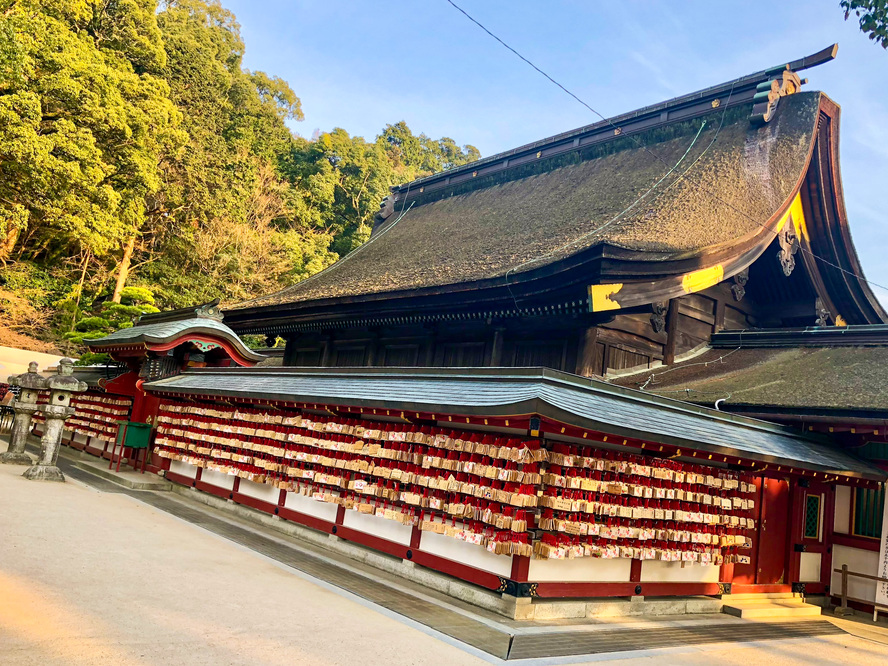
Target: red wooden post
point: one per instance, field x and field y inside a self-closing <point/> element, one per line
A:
<point x="520" y="568"/>
<point x="829" y="517"/>
<point x="726" y="573"/>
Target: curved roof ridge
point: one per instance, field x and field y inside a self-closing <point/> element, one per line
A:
<point x="736" y="85"/>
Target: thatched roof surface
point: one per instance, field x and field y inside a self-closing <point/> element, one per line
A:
<point x="810" y="378"/>
<point x="730" y="180"/>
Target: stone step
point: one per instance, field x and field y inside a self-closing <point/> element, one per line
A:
<point x="747" y="596"/>
<point x="129" y="479"/>
<point x="790" y="601"/>
<point x="770" y="608"/>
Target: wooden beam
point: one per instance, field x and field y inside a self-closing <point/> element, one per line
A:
<point x="671" y="332"/>
<point x="586" y="353"/>
<point x="719" y="315"/>
<point x="326" y="348"/>
<point x="496" y="347"/>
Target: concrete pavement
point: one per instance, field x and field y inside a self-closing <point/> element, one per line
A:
<point x="88" y="577"/>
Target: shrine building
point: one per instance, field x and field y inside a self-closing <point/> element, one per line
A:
<point x="485" y="388"/>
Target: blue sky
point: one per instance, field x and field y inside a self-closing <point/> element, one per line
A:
<point x="360" y="64"/>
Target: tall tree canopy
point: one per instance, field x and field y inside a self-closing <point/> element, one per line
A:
<point x="136" y="152"/>
<point x="84" y="120"/>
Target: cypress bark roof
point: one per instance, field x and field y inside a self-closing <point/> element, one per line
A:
<point x="830" y="379"/>
<point x="731" y="179"/>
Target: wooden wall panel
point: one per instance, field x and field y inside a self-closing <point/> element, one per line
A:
<point x="735" y="319"/>
<point x="691" y="333"/>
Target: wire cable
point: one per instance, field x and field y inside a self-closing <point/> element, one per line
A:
<point x="720" y="359"/>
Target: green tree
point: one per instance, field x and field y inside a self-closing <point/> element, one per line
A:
<point x="84" y="121"/>
<point x="417" y="156"/>
<point x="228" y="222"/>
<point x="344" y="178"/>
<point x="137" y="153"/>
<point x="872" y="16"/>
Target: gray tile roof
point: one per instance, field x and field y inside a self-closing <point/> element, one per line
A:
<point x="577" y="401"/>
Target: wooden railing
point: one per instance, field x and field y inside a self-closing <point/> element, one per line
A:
<point x="6" y="418"/>
<point x="843" y="609"/>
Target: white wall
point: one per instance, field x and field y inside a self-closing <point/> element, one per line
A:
<point x="582" y="569"/>
<point x="378" y="527"/>
<point x="218" y="479"/>
<point x="655" y="571"/>
<point x="809" y="567"/>
<point x="98" y="444"/>
<point x="861" y="561"/>
<point x="311" y="507"/>
<point x="183" y="468"/>
<point x="260" y="491"/>
<point x="469" y="554"/>
<point x="842" y="522"/>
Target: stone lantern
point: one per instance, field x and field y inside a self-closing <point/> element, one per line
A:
<point x="60" y="386"/>
<point x="24" y="407"/>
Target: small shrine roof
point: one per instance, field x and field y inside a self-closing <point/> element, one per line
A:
<point x="164" y="327"/>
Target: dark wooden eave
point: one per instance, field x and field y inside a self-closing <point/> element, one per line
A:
<point x="812" y="336"/>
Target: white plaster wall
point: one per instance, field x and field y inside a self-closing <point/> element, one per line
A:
<point x="98" y="444"/>
<point x="219" y="479"/>
<point x="378" y="527"/>
<point x="260" y="491"/>
<point x="311" y="507"/>
<point x="842" y="522"/>
<point x="809" y="567"/>
<point x="465" y="553"/>
<point x="582" y="569"/>
<point x="655" y="571"/>
<point x="80" y="438"/>
<point x="183" y="468"/>
<point x="861" y="561"/>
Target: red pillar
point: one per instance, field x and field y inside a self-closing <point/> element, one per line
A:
<point x="520" y="568"/>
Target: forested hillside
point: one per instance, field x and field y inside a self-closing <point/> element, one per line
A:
<point x="142" y="167"/>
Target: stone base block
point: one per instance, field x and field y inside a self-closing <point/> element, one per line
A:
<point x="44" y="473"/>
<point x="10" y="458"/>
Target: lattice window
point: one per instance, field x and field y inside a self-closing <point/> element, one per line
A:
<point x="812" y="517"/>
